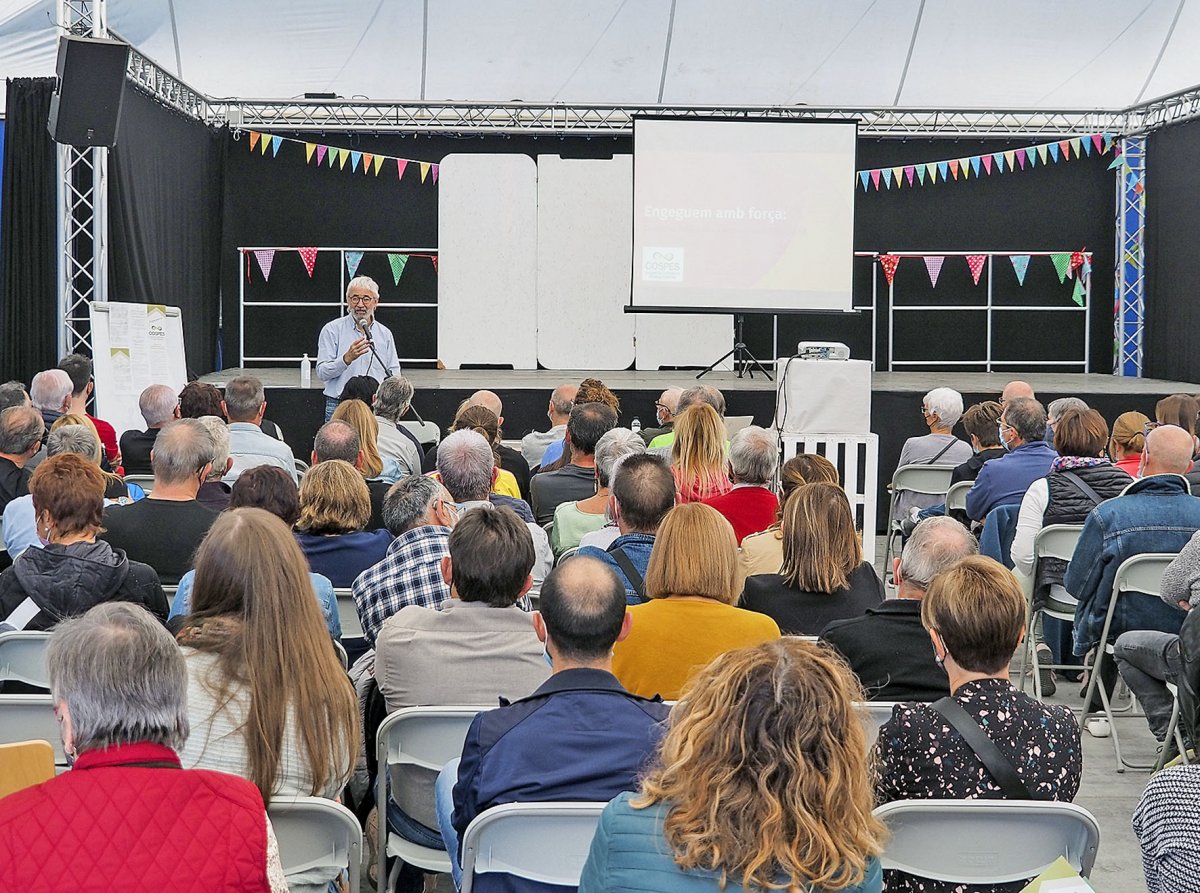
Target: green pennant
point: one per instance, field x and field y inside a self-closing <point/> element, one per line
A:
<point x="1061" y="261"/>
<point x="921" y="173"/>
<point x="1078" y="292"/>
<point x="397" y="262"/>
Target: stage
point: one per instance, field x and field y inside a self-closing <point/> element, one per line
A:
<point x="895" y="397"/>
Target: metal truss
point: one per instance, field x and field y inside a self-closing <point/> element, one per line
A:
<point x="1131" y="269"/>
<point x="147" y="75"/>
<point x="1174" y="108"/>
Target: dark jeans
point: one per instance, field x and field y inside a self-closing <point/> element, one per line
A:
<point x="1148" y="660"/>
<point x="411" y="879"/>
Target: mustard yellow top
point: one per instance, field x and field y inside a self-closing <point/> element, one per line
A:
<point x="504" y="485"/>
<point x="670" y="638"/>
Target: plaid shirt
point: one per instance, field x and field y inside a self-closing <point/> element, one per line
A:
<point x="410" y="574"/>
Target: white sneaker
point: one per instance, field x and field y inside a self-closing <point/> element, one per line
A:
<point x="1098" y="727"/>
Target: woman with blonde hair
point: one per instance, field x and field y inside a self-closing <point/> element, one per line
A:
<point x="690" y="617"/>
<point x="762" y="783"/>
<point x="698" y="454"/>
<point x="335" y="506"/>
<point x="1127" y="441"/>
<point x="359" y="416"/>
<point x="824" y="576"/>
<point x="762" y="553"/>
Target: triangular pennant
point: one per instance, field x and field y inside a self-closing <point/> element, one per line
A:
<point x="975" y="162"/>
<point x="433" y="259"/>
<point x="865" y="176"/>
<point x="1078" y="292"/>
<point x="964" y="167"/>
<point x="875" y="179"/>
<point x="265" y="258"/>
<point x="355" y="158"/>
<point x="334" y="155"/>
<point x="954" y="169"/>
<point x="434" y="170"/>
<point x="1086" y="270"/>
<point x="943" y="167"/>
<point x="401" y="164"/>
<point x="1041" y="153"/>
<point x="910" y="171"/>
<point x="1105" y="141"/>
<point x="309" y="148"/>
<point x="343" y="157"/>
<point x="353" y="259"/>
<point x="1076" y="262"/>
<point x="998" y="160"/>
<point x="1098" y="141"/>
<point x="367" y="159"/>
<point x="1087" y="146"/>
<point x="897" y="174"/>
<point x="309" y="256"/>
<point x="987" y="163"/>
<point x="1020" y="264"/>
<point x="1031" y="154"/>
<point x="321" y="150"/>
<point x="398" y="262"/>
<point x="276" y="142"/>
<point x="1021" y="158"/>
<point x="1010" y="157"/>
<point x="889" y="262"/>
<point x="1116" y="162"/>
<point x="933" y="263"/>
<point x="1075" y="144"/>
<point x="254" y="138"/>
<point x="264" y="143"/>
<point x="1064" y="146"/>
<point x="933" y="173"/>
<point x="975" y="262"/>
<point x="1053" y="149"/>
<point x="921" y="173"/>
<point x="378" y="164"/>
<point x="887" y="177"/>
<point x="424" y="170"/>
<point x="1061" y="261"/>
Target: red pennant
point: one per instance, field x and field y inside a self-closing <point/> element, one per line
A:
<point x="1064" y="146"/>
<point x="889" y="262"/>
<point x="309" y="256"/>
<point x="1075" y="262"/>
<point x="954" y="169"/>
<point x="400" y="165"/>
<point x="975" y="262"/>
<point x="366" y="159"/>
<point x="434" y="259"/>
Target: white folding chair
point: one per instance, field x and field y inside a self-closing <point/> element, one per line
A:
<point x="1173" y="733"/>
<point x="348" y="613"/>
<point x="982" y="843"/>
<point x="956" y="496"/>
<point x="568" y="553"/>
<point x="427" y="432"/>
<point x="23" y="658"/>
<point x="874" y="714"/>
<point x="1052" y="541"/>
<point x="145" y="481"/>
<point x="317" y="837"/>
<point x="543" y="842"/>
<point x="31" y="718"/>
<point x="301" y="468"/>
<point x="735" y="423"/>
<point x="930" y="480"/>
<point x="422" y="738"/>
<point x="1137" y="574"/>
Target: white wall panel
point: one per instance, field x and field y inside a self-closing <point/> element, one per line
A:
<point x="682" y="339"/>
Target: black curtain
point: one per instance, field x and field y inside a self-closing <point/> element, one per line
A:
<point x="28" y="243"/>
<point x="166" y="179"/>
<point x="1172" y="316"/>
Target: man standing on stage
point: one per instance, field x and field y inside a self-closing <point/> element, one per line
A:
<point x="345" y="346"/>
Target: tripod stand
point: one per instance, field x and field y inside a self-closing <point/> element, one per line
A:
<point x="743" y="360"/>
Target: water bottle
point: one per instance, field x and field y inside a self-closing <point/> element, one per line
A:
<point x="306" y="372"/>
<point x="636" y="425"/>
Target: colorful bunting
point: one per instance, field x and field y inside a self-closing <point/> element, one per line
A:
<point x="975" y="262"/>
<point x="264" y="143"/>
<point x="875" y="178"/>
<point x="401" y="164"/>
<point x="987" y="164"/>
<point x="1061" y="261"/>
<point x="933" y="264"/>
<point x="975" y="165"/>
<point x="353" y="259"/>
<point x="309" y="256"/>
<point x="889" y="262"/>
<point x="367" y="158"/>
<point x="378" y="164"/>
<point x="309" y="148"/>
<point x="897" y="173"/>
<point x="1010" y="158"/>
<point x="921" y="173"/>
<point x="954" y="168"/>
<point x="1076" y="262"/>
<point x="276" y="142"/>
<point x="398" y="262"/>
<point x="865" y="176"/>
<point x="1097" y="140"/>
<point x="321" y="150"/>
<point x="338" y="157"/>
<point x="355" y="158"/>
<point x="254" y="137"/>
<point x="424" y="170"/>
<point x="1021" y="156"/>
<point x="1020" y="264"/>
<point x="265" y="258"/>
<point x="1053" y="149"/>
<point x="943" y="167"/>
<point x="434" y="169"/>
<point x="887" y="177"/>
<point x="1077" y="294"/>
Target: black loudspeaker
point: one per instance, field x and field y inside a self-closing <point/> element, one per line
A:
<point x="86" y="104"/>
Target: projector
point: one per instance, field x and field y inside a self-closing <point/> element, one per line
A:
<point x="822" y="350"/>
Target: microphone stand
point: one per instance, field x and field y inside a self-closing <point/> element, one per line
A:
<point x="365" y="328"/>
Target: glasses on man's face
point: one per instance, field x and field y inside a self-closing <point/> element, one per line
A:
<point x="364" y="300"/>
<point x="658" y="405"/>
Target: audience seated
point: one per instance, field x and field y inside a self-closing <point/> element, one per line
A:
<point x="359" y="387"/>
<point x="701" y="393"/>
<point x="824" y="575"/>
<point x="214" y="493"/>
<point x="485" y="423"/>
<point x="12" y="393"/>
<point x="72" y="571"/>
<point x="1164" y="823"/>
<point x="374" y="467"/>
<point x="1004" y="481"/>
<point x="643" y="491"/>
<point x="572" y="520"/>
<point x="338" y="440"/>
<point x="887" y="647"/>
<point x="419" y="513"/>
<point x="665" y="408"/>
<point x="1055" y="410"/>
<point x="21" y="433"/>
<point x="761" y="784"/>
<point x="1179" y="410"/>
<point x="534" y="444"/>
<point x="975" y="615"/>
<point x="579" y="736"/>
<point x="117" y="491"/>
<point x="751" y="506"/>
<point x="270" y="488"/>
<point x="591" y="390"/>
<point x="1015" y="389"/>
<point x="1128" y="441"/>
<point x="158" y="406"/>
<point x="392" y="401"/>
<point x="941" y="408"/>
<point x="164" y="529"/>
<point x="51" y="393"/>
<point x="576" y="480"/>
<point x="245" y="403"/>
<point x="334" y="509"/>
<point x="982" y="424"/>
<point x="79" y="368"/>
<point x="117" y="820"/>
<point x="762" y="553"/>
<point x="198" y="399"/>
<point x="698" y="454"/>
<point x="509" y="459"/>
<point x="690" y="617"/>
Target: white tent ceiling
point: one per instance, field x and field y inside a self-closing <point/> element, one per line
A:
<point x="964" y="53"/>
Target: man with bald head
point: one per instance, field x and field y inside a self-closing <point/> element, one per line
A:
<point x="1016" y="389"/>
<point x="534" y="444"/>
<point x="510" y="460"/>
<point x="1156" y="513"/>
<point x="158" y="405"/>
<point x="665" y="410"/>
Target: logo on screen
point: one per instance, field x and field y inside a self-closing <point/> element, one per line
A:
<point x="662" y="264"/>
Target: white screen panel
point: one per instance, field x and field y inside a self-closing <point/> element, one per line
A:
<point x="682" y="339"/>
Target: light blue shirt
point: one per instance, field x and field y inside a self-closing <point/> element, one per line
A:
<point x="322" y="588"/>
<point x="20" y="523"/>
<point x="249" y="448"/>
<point x="336" y="338"/>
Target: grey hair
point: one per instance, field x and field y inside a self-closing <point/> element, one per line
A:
<point x="20" y="428"/>
<point x="77" y="439"/>
<point x="935" y="545"/>
<point x="408" y="502"/>
<point x="219" y="432"/>
<point x="243" y="396"/>
<point x="1027" y="417"/>
<point x="12" y="393"/>
<point x="465" y="462"/>
<point x="614" y="445"/>
<point x="393" y="398"/>
<point x="157" y="405"/>
<point x="947" y="403"/>
<point x="1062" y="404"/>
<point x="183" y="447"/>
<point x="337" y="440"/>
<point x="121" y="676"/>
<point x="362" y="282"/>
<point x="754" y="456"/>
<point x="559" y="402"/>
<point x="50" y="389"/>
<point x="701" y="393"/>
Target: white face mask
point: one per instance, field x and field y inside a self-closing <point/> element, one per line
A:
<point x="1002" y="428"/>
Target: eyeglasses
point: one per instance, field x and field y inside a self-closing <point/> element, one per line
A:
<point x="1150" y="426"/>
<point x="660" y="405"/>
<point x="360" y="299"/>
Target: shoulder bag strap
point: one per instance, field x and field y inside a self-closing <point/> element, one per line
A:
<point x="625" y="564"/>
<point x="933" y="461"/>
<point x="1083" y="487"/>
<point x="997" y="764"/>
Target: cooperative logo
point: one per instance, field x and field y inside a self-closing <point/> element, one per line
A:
<point x="662" y="264"/>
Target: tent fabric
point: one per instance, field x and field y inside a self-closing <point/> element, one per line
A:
<point x="913" y="53"/>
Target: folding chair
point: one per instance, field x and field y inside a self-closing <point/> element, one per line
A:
<point x="427" y="432"/>
<point x="1138" y="574"/>
<point x="24" y="764"/>
<point x="931" y="480"/>
<point x="31" y="718"/>
<point x="348" y="613"/>
<point x="568" y="553"/>
<point x="1173" y="732"/>
<point x="23" y="658"/>
<point x="543" y="842"/>
<point x="982" y="843"/>
<point x="425" y="738"/>
<point x="874" y="715"/>
<point x="735" y="423"/>
<point x="145" y="481"/>
<point x="317" y="836"/>
<point x="1052" y="541"/>
<point x="956" y="496"/>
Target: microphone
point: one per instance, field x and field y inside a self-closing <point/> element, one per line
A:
<point x="364" y="326"/>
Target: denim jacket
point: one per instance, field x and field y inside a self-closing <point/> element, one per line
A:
<point x="1154" y="514"/>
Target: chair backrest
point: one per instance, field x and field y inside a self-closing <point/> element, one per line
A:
<point x="735" y="423"/>
<point x="933" y="480"/>
<point x="956" y="496"/>
<point x="987" y="842"/>
<point x="317" y="835"/>
<point x="569" y="553"/>
<point x="23" y="658"/>
<point x="24" y="764"/>
<point x="31" y="717"/>
<point x="1056" y="541"/>
<point x="874" y="714"/>
<point x="348" y="613"/>
<point x="543" y="842"/>
<point x="426" y="432"/>
<point x="421" y="737"/>
<point x="1138" y="573"/>
<point x="145" y="481"/>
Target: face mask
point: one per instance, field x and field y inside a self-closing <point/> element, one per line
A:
<point x="940" y="661"/>
<point x="1003" y="442"/>
<point x="547" y="658"/>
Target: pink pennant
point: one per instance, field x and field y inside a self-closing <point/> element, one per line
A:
<point x="910" y="171"/>
<point x="975" y="262"/>
<point x="1064" y="146"/>
<point x="1021" y="159"/>
<point x="321" y="150"/>
<point x="401" y="164"/>
<point x="435" y="260"/>
<point x="987" y="163"/>
<point x="889" y="262"/>
<point x="309" y="256"/>
<point x="434" y="169"/>
<point x="875" y="179"/>
<point x="933" y="263"/>
<point x="1098" y="141"/>
<point x="265" y="258"/>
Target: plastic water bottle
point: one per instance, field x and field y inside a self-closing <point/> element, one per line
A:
<point x="636" y="425"/>
<point x="306" y="372"/>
